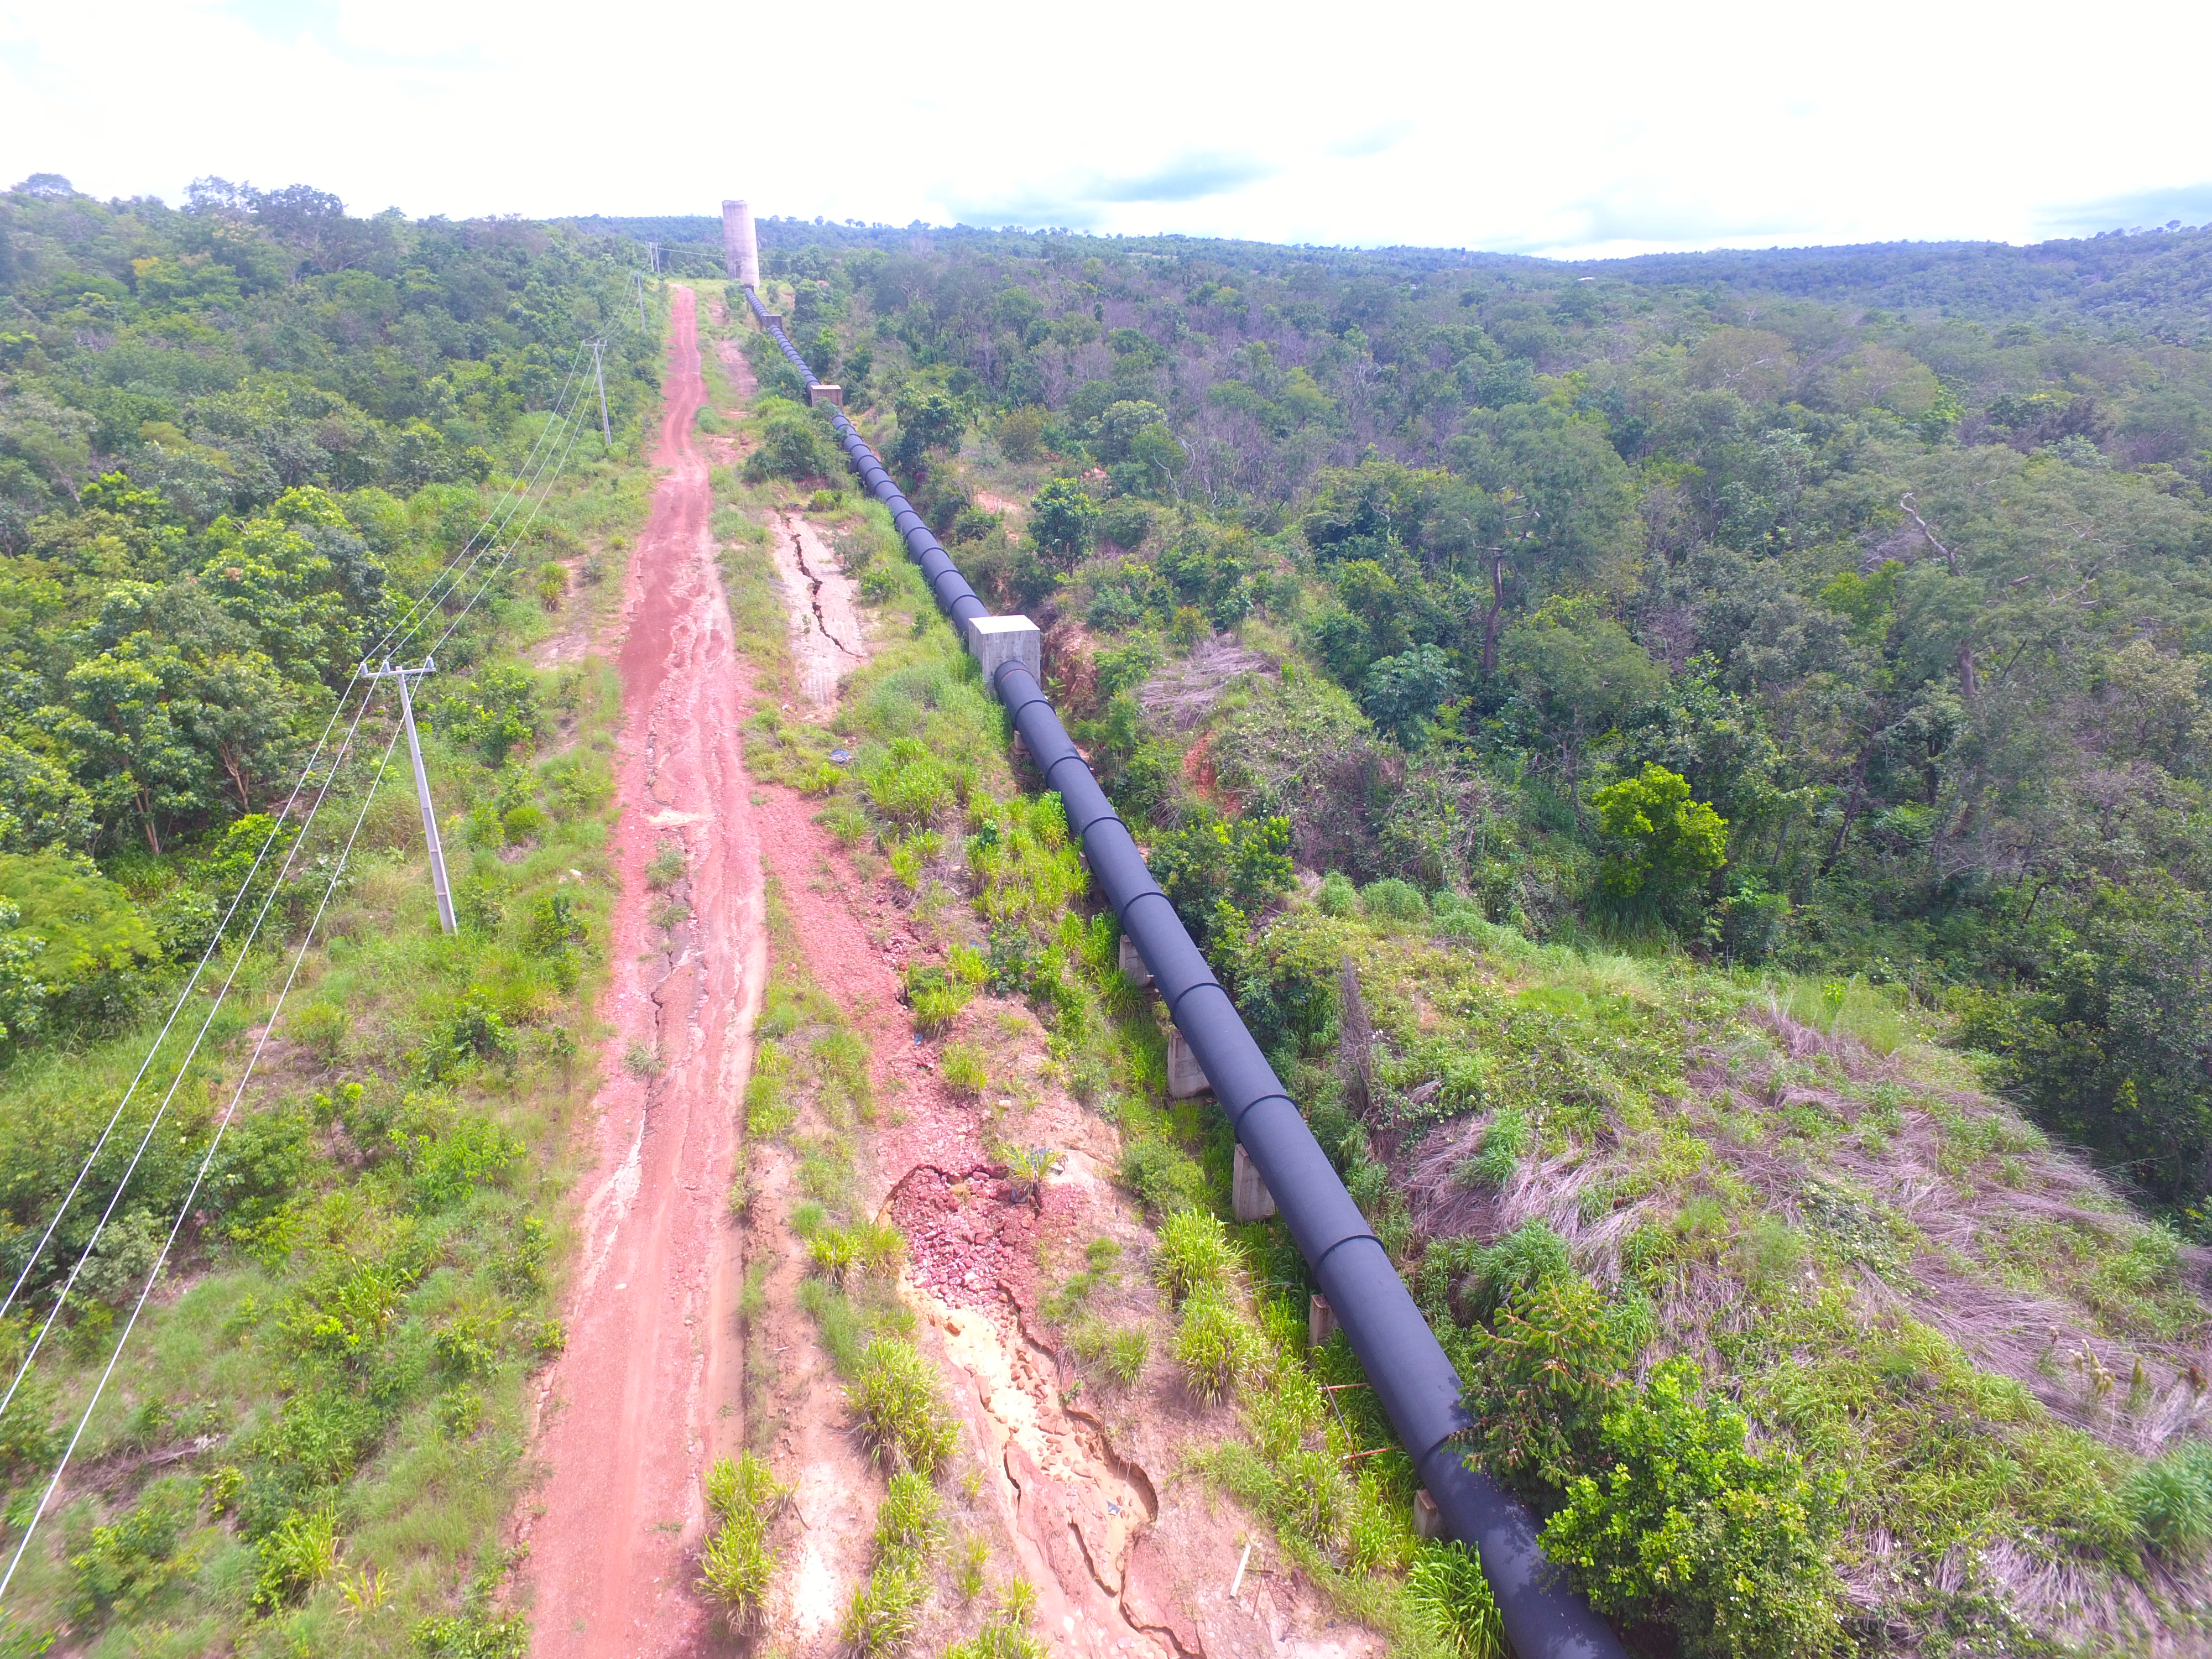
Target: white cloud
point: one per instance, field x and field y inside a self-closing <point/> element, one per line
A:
<point x="1608" y="127"/>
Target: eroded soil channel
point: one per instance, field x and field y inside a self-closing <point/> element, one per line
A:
<point x="828" y="640"/>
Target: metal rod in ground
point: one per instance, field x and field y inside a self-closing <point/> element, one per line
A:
<point x="438" y="882"/>
<point x="598" y="373"/>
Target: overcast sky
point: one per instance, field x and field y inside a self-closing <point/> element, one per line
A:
<point x="1599" y="128"/>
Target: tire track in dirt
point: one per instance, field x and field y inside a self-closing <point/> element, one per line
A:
<point x="647" y="1391"/>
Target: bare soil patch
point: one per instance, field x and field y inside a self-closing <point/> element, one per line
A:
<point x="828" y="640"/>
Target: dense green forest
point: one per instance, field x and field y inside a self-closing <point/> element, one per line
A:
<point x="242" y="444"/>
<point x="1647" y="745"/>
<point x="1913" y="600"/>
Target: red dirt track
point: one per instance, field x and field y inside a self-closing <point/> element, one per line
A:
<point x="648" y="1383"/>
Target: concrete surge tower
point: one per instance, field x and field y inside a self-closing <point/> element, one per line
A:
<point x="740" y="251"/>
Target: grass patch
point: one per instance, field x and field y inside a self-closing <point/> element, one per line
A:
<point x="742" y="1500"/>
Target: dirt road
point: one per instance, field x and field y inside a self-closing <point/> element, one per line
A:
<point x="647" y="1389"/>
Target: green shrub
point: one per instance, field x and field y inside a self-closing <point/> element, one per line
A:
<point x="553" y="923"/>
<point x="1505" y="1141"/>
<point x="794" y="444"/>
<point x="1690" y="1528"/>
<point x="1021" y="432"/>
<point x="445" y="1169"/>
<point x="473" y="1635"/>
<point x="1447" y="1592"/>
<point x="1192" y="1253"/>
<point x="937" y="995"/>
<point x="908" y="783"/>
<point x="469" y="1344"/>
<point x="1338" y="897"/>
<point x="769" y="1111"/>
<point x="131" y="1559"/>
<point x="1376" y="1538"/>
<point x="735" y="1567"/>
<point x="1394" y="902"/>
<point x="1121" y="1350"/>
<point x="964" y="1070"/>
<point x="1485" y="1277"/>
<point x="847" y="821"/>
<point x="668" y="865"/>
<point x="1127" y="1350"/>
<point x="1769" y="1254"/>
<point x="910" y="1517"/>
<point x="319" y="1028"/>
<point x="523" y="823"/>
<point x="1210" y="1345"/>
<point x="902" y="1417"/>
<point x="1245" y="862"/>
<point x="746" y="1487"/>
<point x="1164" y="1178"/>
<point x="1369" y="1183"/>
<point x="1660" y="845"/>
<point x="1314" y="1499"/>
<point x="475" y="1028"/>
<point x="885" y="1612"/>
<point x="294" y="1558"/>
<point x="1005" y="1636"/>
<point x="734" y="1570"/>
<point x="967" y="1571"/>
<point x="873" y="1246"/>
<point x="2170" y="1500"/>
<point x="840" y="1065"/>
<point x="85" y="940"/>
<point x="1540" y="1385"/>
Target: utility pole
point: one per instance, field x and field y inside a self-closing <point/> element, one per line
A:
<point x="599" y="374"/>
<point x="639" y="277"/>
<point x="438" y="881"/>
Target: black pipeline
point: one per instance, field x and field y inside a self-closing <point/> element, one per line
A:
<point x="1544" y="1618"/>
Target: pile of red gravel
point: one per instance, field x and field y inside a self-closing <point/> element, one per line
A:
<point x="968" y="1232"/>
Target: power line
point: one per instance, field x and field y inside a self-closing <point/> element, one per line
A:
<point x="276" y="829"/>
<point x="574" y="424"/>
<point x="571" y="422"/>
<point x="92" y="1244"/>
<point x="200" y="1178"/>
<point x="183" y="997"/>
<point x="525" y="481"/>
<point x="576" y="362"/>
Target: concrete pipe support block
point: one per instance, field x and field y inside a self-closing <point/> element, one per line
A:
<point x="1133" y="965"/>
<point x="1428" y="1519"/>
<point x="1186" y="1077"/>
<point x="1321" y="1320"/>
<point x="1248" y="1196"/>
<point x="994" y="641"/>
